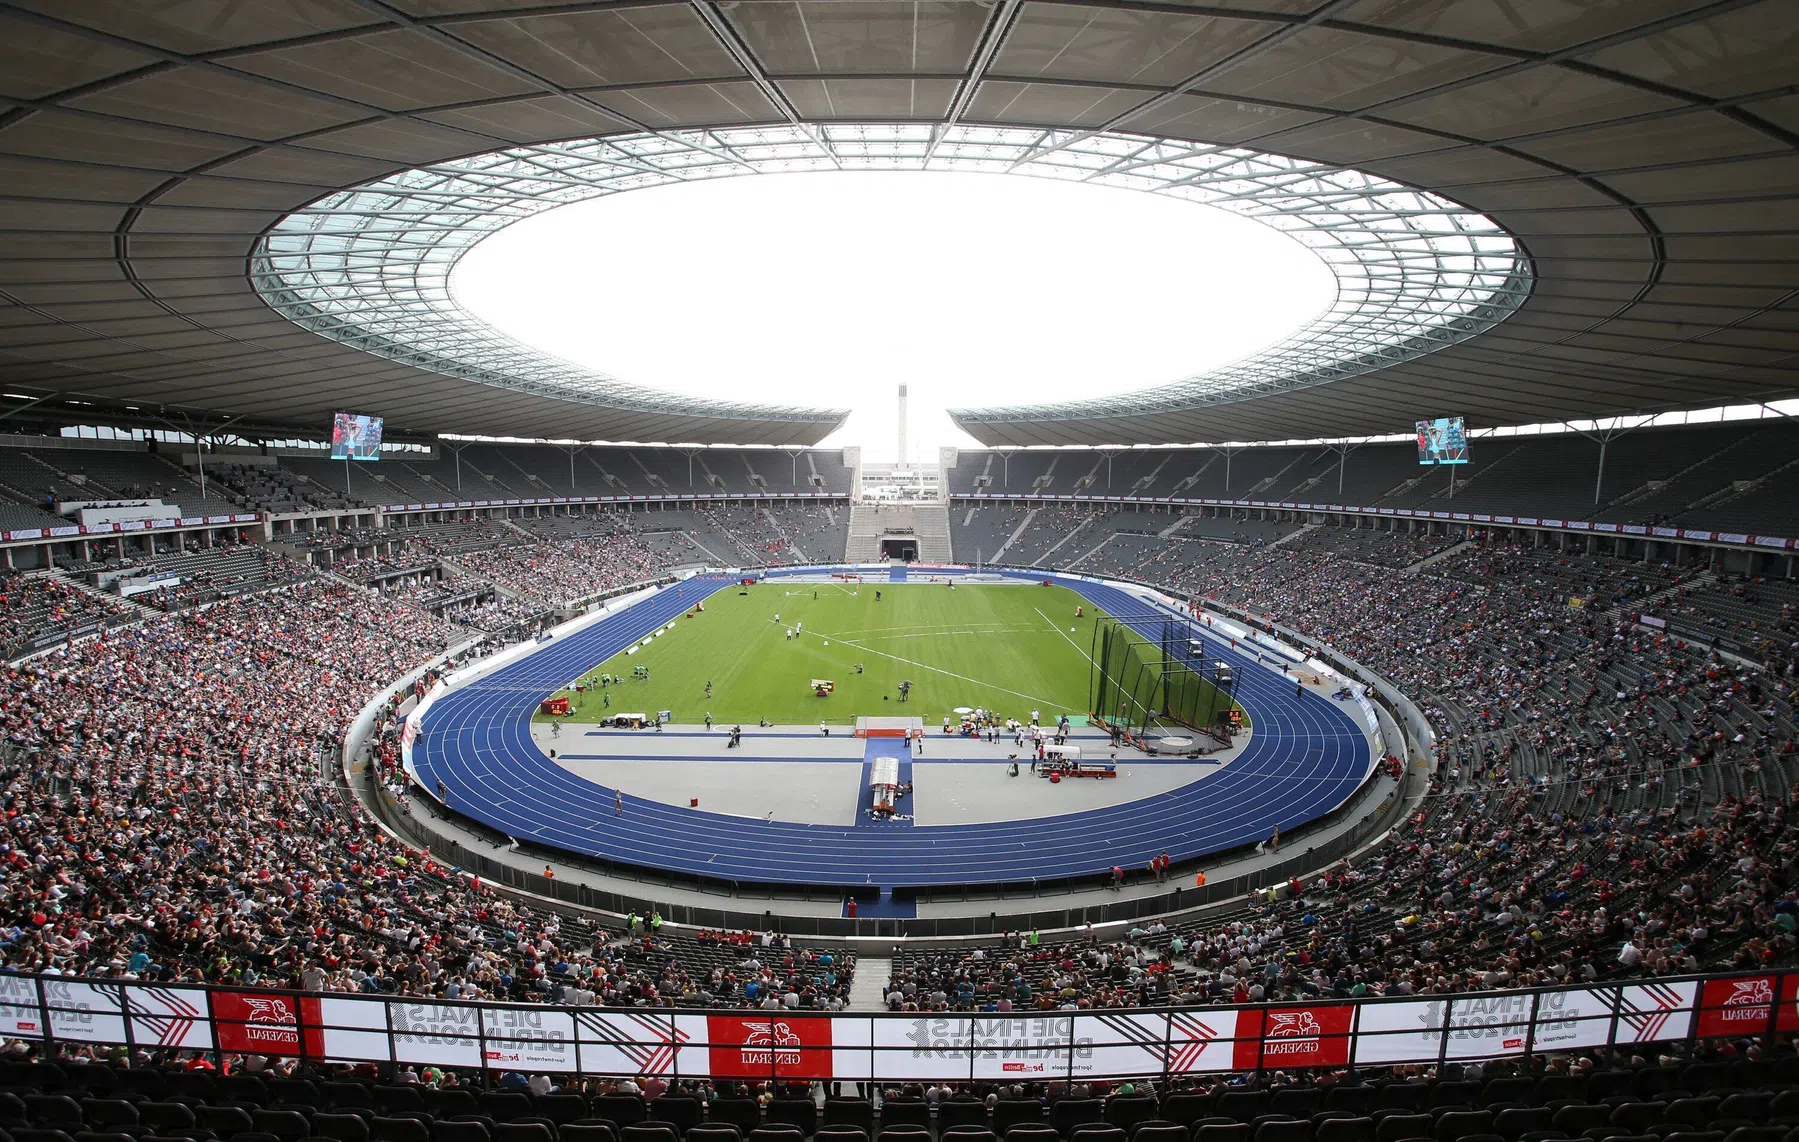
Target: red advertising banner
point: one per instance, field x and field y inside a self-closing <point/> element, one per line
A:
<point x="1294" y="1037"/>
<point x="266" y="1023"/>
<point x="769" y="1044"/>
<point x="1743" y="1006"/>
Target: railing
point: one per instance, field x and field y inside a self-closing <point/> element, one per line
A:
<point x="1041" y="1045"/>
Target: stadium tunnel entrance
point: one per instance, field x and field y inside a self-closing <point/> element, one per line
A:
<point x="900" y="547"/>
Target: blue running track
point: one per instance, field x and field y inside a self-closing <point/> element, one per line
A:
<point x="1305" y="757"/>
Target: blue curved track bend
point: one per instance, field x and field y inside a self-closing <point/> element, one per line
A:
<point x="1304" y="758"/>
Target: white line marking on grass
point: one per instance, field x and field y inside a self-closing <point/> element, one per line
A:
<point x="933" y="669"/>
<point x="1058" y="630"/>
<point x="861" y="640"/>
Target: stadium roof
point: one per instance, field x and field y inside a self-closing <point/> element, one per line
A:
<point x="1641" y="151"/>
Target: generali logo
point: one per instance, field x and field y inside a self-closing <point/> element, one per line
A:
<point x="769" y="1042"/>
<point x="1748" y="1001"/>
<point x="271" y="1020"/>
<point x="1292" y="1033"/>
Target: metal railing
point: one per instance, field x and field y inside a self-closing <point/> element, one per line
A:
<point x="789" y="1044"/>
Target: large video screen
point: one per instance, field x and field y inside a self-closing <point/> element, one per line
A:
<point x="355" y="437"/>
<point x="1442" y="441"/>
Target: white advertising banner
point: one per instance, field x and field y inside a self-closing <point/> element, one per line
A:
<point x="1573" y="1019"/>
<point x="84" y="1012"/>
<point x="20" y="1015"/>
<point x="637" y="1043"/>
<point x="530" y="1038"/>
<point x="447" y="1034"/>
<point x="1402" y="1031"/>
<point x="1655" y="1012"/>
<point x="354" y="1030"/>
<point x="1486" y="1026"/>
<point x="925" y="1047"/>
<point x="170" y="1017"/>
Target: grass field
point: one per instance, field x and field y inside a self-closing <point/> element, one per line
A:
<point x="1012" y="649"/>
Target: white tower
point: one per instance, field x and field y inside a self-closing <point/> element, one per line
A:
<point x="902" y="427"/>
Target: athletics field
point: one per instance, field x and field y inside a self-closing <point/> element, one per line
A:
<point x="1011" y="649"/>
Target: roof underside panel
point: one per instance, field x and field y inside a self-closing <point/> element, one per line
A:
<point x="1645" y="154"/>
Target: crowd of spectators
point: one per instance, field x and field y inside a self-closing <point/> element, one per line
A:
<point x="564" y="572"/>
<point x="168" y="816"/>
<point x="36" y="606"/>
<point x="1607" y="800"/>
<point x="652" y="967"/>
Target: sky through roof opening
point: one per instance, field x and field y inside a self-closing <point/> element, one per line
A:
<point x="830" y="289"/>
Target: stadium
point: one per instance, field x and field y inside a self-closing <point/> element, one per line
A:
<point x="632" y="697"/>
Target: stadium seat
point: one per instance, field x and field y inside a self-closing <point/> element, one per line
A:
<point x="1514" y="1123"/>
<point x="109" y="1115"/>
<point x="397" y="1129"/>
<point x="1186" y="1108"/>
<point x="1027" y="1134"/>
<point x="1097" y="1132"/>
<point x="54" y="1112"/>
<point x="441" y="1103"/>
<point x="1399" y="1127"/>
<point x="905" y="1133"/>
<point x="593" y="1130"/>
<point x="539" y="1131"/>
<point x="853" y="1112"/>
<point x="1234" y="1132"/>
<point x="1694" y="1113"/>
<point x="165" y="1117"/>
<point x="1008" y="1113"/>
<point x="962" y="1111"/>
<point x="773" y="1132"/>
<point x="460" y="1130"/>
<point x="224" y="1121"/>
<point x="1243" y="1106"/>
<point x="841" y="1134"/>
<point x="570" y="1106"/>
<point x="1461" y="1093"/>
<point x="1343" y="1130"/>
<point x="1751" y="1107"/>
<point x="649" y="1132"/>
<point x="1455" y="1125"/>
<point x="800" y="1112"/>
<point x="1282" y="1130"/>
<point x="1702" y="1078"/>
<point x="743" y="1113"/>
<point x="342" y="1127"/>
<point x="347" y="1096"/>
<point x="507" y="1105"/>
<point x="1297" y="1102"/>
<point x="1161" y="1132"/>
<point x="1784" y="1108"/>
<point x="1578" y="1118"/>
<point x="966" y="1134"/>
<point x="1358" y="1100"/>
<point x="1069" y="1113"/>
<point x="1402" y="1096"/>
<point x="397" y="1099"/>
<point x="1128" y="1111"/>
